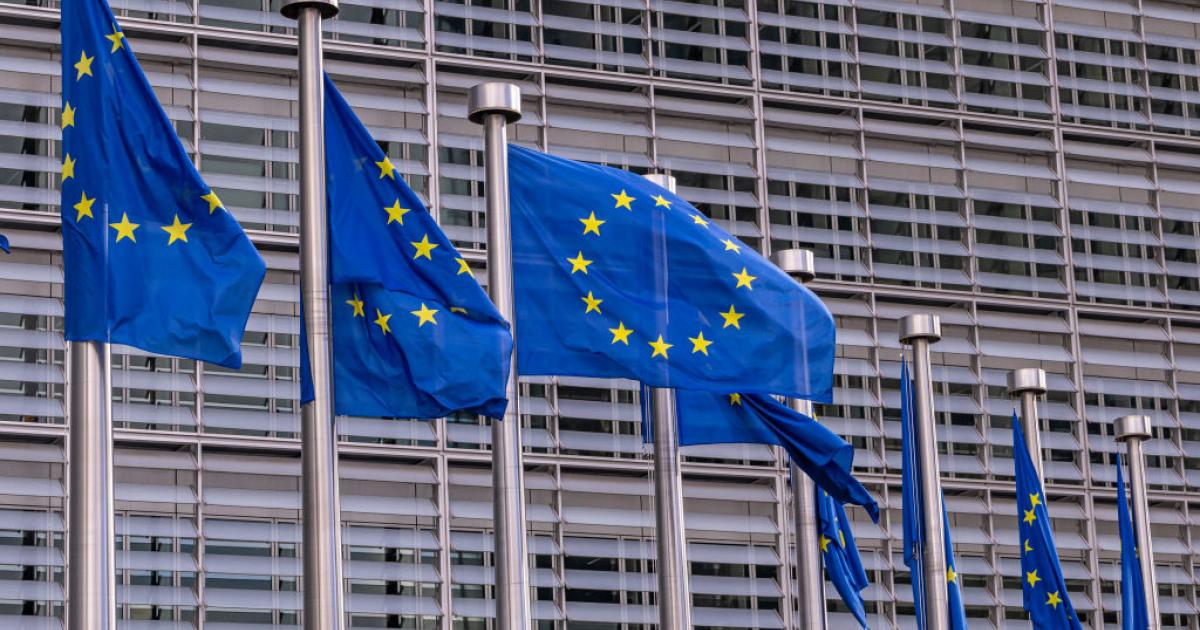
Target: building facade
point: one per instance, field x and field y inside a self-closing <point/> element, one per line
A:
<point x="1025" y="169"/>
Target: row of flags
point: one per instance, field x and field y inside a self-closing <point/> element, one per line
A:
<point x="614" y="277"/>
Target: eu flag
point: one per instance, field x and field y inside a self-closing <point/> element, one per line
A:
<point x="839" y="553"/>
<point x="1133" y="590"/>
<point x="414" y="335"/>
<point x="616" y="277"/>
<point x="914" y="518"/>
<point x="4" y="244"/>
<point x="1042" y="582"/>
<point x="707" y="418"/>
<point x="150" y="256"/>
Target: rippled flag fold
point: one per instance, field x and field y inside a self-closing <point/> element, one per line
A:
<point x="151" y="258"/>
<point x="914" y="518"/>
<point x="1134" y="615"/>
<point x="707" y="418"/>
<point x="414" y="335"/>
<point x="839" y="553"/>
<point x="1042" y="583"/>
<point x="616" y="277"/>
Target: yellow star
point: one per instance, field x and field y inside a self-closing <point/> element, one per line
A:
<point x="824" y="540"/>
<point x="732" y="318"/>
<point x="177" y="230"/>
<point x="731" y="246"/>
<point x="592" y="224"/>
<point x="699" y="343"/>
<point x="117" y="39"/>
<point x="125" y="228"/>
<point x="623" y="200"/>
<point x="735" y="399"/>
<point x="68" y="116"/>
<point x="84" y="65"/>
<point x="214" y="201"/>
<point x="458" y="309"/>
<point x="1032" y="577"/>
<point x="841" y="534"/>
<point x="593" y="304"/>
<point x="463" y="267"/>
<point x="660" y="347"/>
<point x="620" y="333"/>
<point x="699" y="220"/>
<point x="424" y="248"/>
<point x="381" y="320"/>
<point x="579" y="263"/>
<point x="425" y="315"/>
<point x="1054" y="600"/>
<point x="1027" y="547"/>
<point x="1030" y="517"/>
<point x="951" y="576"/>
<point x="68" y="168"/>
<point x="396" y="213"/>
<point x="84" y="207"/>
<point x="659" y="200"/>
<point x="744" y="279"/>
<point x="357" y="305"/>
<point x="386" y="168"/>
<point x="1034" y="500"/>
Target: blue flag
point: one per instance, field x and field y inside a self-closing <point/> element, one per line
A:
<point x="414" y="335"/>
<point x="150" y="256"/>
<point x="706" y="418"/>
<point x="4" y="244"/>
<point x="839" y="553"/>
<point x="1042" y="582"/>
<point x="1133" y="589"/>
<point x="914" y="517"/>
<point x="616" y="277"/>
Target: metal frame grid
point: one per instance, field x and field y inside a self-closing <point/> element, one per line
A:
<point x="1021" y="168"/>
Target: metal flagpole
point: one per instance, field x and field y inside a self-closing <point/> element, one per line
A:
<point x="494" y="105"/>
<point x="1026" y="384"/>
<point x="674" y="589"/>
<point x="810" y="579"/>
<point x="919" y="331"/>
<point x="1133" y="430"/>
<point x="322" y="550"/>
<point x="91" y="591"/>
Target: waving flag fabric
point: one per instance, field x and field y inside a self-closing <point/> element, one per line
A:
<point x="914" y="518"/>
<point x="1042" y="581"/>
<point x="706" y="418"/>
<point x="617" y="277"/>
<point x="414" y="335"/>
<point x="839" y="553"/>
<point x="1134" y="615"/>
<point x="151" y="258"/>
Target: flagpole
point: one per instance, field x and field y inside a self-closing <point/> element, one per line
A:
<point x="321" y="514"/>
<point x="1133" y="430"/>
<point x="810" y="580"/>
<point x="672" y="567"/>
<point x="494" y="105"/>
<point x="919" y="331"/>
<point x="91" y="591"/>
<point x="1026" y="384"/>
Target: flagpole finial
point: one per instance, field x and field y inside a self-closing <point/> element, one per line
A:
<point x="1022" y="380"/>
<point x="1132" y="427"/>
<point x="920" y="326"/>
<point x="797" y="263"/>
<point x="494" y="97"/>
<point x="291" y="8"/>
<point x="662" y="179"/>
